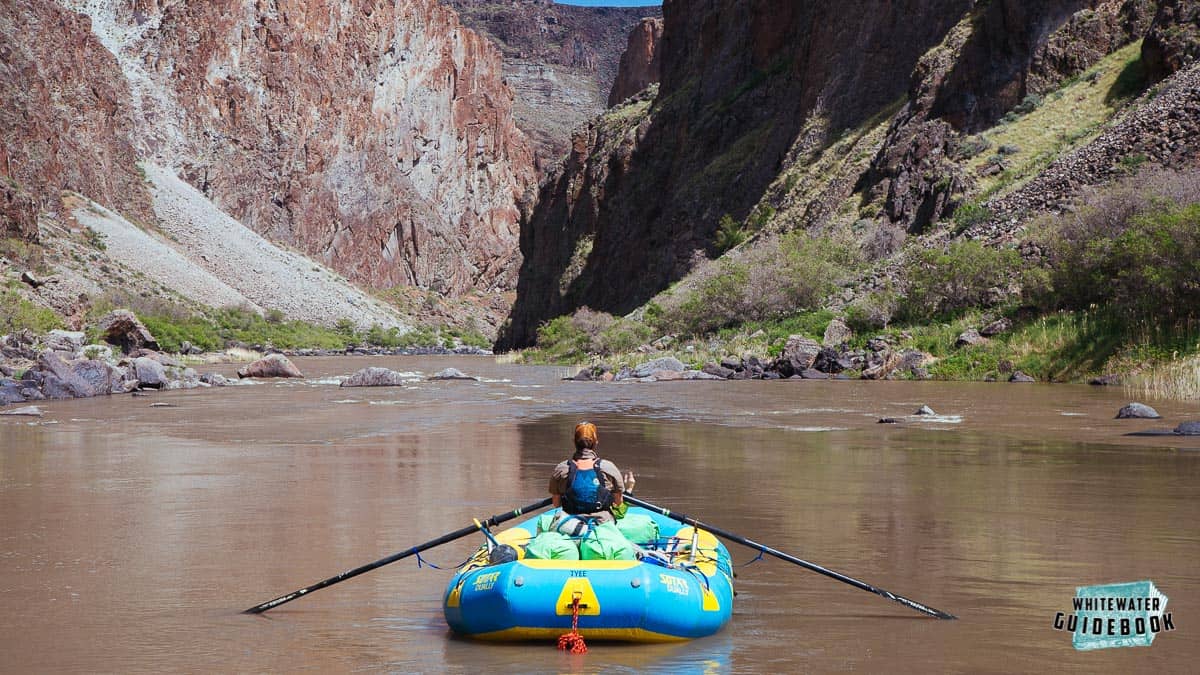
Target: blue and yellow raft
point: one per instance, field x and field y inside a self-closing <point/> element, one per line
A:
<point x="672" y="596"/>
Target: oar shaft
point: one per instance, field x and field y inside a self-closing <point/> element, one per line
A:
<point x="445" y="538"/>
<point x="790" y="558"/>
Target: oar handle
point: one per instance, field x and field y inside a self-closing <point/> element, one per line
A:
<point x="688" y="520"/>
<point x="445" y="538"/>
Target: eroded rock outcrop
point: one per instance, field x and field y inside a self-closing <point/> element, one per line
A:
<point x="641" y="63"/>
<point x="560" y="60"/>
<point x="64" y="118"/>
<point x="1173" y="42"/>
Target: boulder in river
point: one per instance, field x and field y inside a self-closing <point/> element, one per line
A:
<point x="925" y="410"/>
<point x="10" y="392"/>
<point x="150" y="373"/>
<point x="271" y="365"/>
<point x="648" y="368"/>
<point x="1188" y="429"/>
<point x="27" y="411"/>
<point x="451" y="374"/>
<point x="1137" y="411"/>
<point x="1020" y="377"/>
<point x="214" y="379"/>
<point x="374" y="377"/>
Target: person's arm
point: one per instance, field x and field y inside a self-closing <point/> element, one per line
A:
<point x="557" y="477"/>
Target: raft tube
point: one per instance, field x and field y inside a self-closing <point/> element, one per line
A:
<point x="682" y="598"/>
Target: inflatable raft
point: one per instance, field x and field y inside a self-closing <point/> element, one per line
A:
<point x="679" y="588"/>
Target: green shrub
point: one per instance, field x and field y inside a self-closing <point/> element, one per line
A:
<point x="872" y="312"/>
<point x="17" y="313"/>
<point x="729" y="234"/>
<point x="561" y="340"/>
<point x="970" y="214"/>
<point x="944" y="282"/>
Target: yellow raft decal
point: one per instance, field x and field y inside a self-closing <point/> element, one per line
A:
<point x="711" y="603"/>
<point x="589" y="604"/>
<point x="452" y="600"/>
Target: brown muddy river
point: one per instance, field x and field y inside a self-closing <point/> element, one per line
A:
<point x="132" y="536"/>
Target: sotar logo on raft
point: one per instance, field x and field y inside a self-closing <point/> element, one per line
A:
<point x="1116" y="615"/>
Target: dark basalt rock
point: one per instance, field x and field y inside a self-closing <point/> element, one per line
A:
<point x="1188" y="429"/>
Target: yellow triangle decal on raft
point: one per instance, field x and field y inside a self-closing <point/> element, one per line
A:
<point x="455" y="594"/>
<point x="589" y="604"/>
<point x="711" y="603"/>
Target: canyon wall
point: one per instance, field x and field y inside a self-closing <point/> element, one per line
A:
<point x="742" y="80"/>
<point x="561" y="60"/>
<point x="375" y="137"/>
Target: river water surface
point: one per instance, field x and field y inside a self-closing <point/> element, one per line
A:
<point x="132" y="535"/>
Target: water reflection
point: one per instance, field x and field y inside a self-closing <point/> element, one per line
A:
<point x="132" y="544"/>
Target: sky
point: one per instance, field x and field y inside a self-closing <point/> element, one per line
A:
<point x="610" y="3"/>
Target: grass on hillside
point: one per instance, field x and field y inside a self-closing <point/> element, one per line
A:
<point x="1064" y="119"/>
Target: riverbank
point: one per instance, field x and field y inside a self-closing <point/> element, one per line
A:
<point x="1060" y="347"/>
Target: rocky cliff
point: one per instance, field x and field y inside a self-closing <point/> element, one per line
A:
<point x="641" y="64"/>
<point x="65" y="118"/>
<point x="742" y="80"/>
<point x="377" y="138"/>
<point x="561" y="60"/>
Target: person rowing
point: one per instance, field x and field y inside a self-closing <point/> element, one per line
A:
<point x="587" y="488"/>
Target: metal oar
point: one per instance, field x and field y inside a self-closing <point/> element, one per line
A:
<point x="457" y="534"/>
<point x="688" y="520"/>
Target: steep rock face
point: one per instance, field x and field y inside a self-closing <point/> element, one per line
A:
<point x="561" y="60"/>
<point x="741" y="80"/>
<point x="376" y="138"/>
<point x="987" y="64"/>
<point x="641" y="64"/>
<point x="64" y="124"/>
<point x="1173" y="41"/>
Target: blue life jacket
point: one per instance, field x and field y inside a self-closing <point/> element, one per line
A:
<point x="587" y="491"/>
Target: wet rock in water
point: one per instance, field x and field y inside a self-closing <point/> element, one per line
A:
<point x="584" y="375"/>
<point x="700" y="375"/>
<point x="925" y="410"/>
<point x="1188" y="429"/>
<point x="1105" y="381"/>
<point x="1138" y="411"/>
<point x="374" y="377"/>
<point x="665" y="363"/>
<point x="69" y="342"/>
<point x="61" y="379"/>
<point x="214" y="379"/>
<point x="122" y="328"/>
<point x="451" y="374"/>
<point x="1018" y="376"/>
<point x="888" y="420"/>
<point x="996" y="327"/>
<point x="970" y="338"/>
<point x="273" y="365"/>
<point x="814" y="374"/>
<point x="150" y="374"/>
<point x="27" y="411"/>
<point x="837" y="333"/>
<point x="101" y="377"/>
<point x="161" y="404"/>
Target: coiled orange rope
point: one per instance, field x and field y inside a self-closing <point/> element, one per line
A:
<point x="573" y="641"/>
